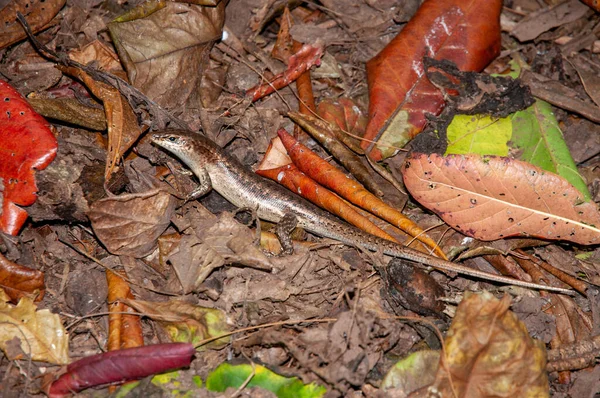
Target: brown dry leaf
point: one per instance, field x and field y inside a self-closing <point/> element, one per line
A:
<point x="38" y="14"/>
<point x="103" y="58"/>
<point x="491" y="197"/>
<point x="537" y="23"/>
<point x="69" y="110"/>
<point x="165" y="48"/>
<point x="185" y="322"/>
<point x="19" y="281"/>
<point x="39" y="334"/>
<point x="489" y="353"/>
<point x="130" y="224"/>
<point x="225" y="242"/>
<point x="123" y="129"/>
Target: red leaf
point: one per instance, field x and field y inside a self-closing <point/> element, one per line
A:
<point x="26" y="143"/>
<point x="120" y="366"/>
<point x="20" y="281"/>
<point x="466" y="32"/>
<point x="303" y="60"/>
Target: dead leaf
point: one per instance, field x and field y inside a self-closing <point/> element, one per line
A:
<point x="165" y="48"/>
<point x="537" y="23"/>
<point x="19" y="281"/>
<point x="39" y="334"/>
<point x="493" y="197"/>
<point x="123" y="129"/>
<point x="225" y="242"/>
<point x="186" y="322"/>
<point x="130" y="224"/>
<point x="69" y="110"/>
<point x="103" y="58"/>
<point x="124" y="330"/>
<point x="38" y="14"/>
<point x="490" y="354"/>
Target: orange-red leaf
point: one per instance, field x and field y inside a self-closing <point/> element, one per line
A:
<point x="466" y="32"/>
<point x="19" y="281"/>
<point x="124" y="330"/>
<point x="293" y="179"/>
<point x="494" y="197"/>
<point x="325" y="174"/>
<point x="307" y="57"/>
<point x="26" y="144"/>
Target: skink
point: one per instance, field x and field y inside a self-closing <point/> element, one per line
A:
<point x="217" y="170"/>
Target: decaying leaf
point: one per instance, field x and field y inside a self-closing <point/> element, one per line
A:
<point x="123" y="129"/>
<point x="39" y="334"/>
<point x="26" y="144"/>
<point x="38" y="14"/>
<point x="130" y="224"/>
<point x="489" y="353"/>
<point x="186" y="322"/>
<point x="348" y="117"/>
<point x="164" y="46"/>
<point x="492" y="197"/>
<point x="19" y="281"/>
<point x="225" y="242"/>
<point x="413" y="372"/>
<point x="537" y="23"/>
<point x="464" y="32"/>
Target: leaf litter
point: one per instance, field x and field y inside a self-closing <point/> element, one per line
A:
<point x="322" y="279"/>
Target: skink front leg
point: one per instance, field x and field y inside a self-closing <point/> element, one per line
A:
<point x="204" y="187"/>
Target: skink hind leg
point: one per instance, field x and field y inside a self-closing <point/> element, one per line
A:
<point x="285" y="226"/>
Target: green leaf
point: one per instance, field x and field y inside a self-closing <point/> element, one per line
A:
<point x="479" y="134"/>
<point x="227" y="375"/>
<point x="531" y="135"/>
<point x="537" y="139"/>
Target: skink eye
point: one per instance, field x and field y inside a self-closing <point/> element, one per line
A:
<point x="172" y="139"/>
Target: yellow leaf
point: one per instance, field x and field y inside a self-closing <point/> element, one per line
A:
<point x="39" y="334"/>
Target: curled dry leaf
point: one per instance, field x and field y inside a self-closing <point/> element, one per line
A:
<point x="185" y="322"/>
<point x="124" y="330"/>
<point x="130" y="224"/>
<point x="120" y="366"/>
<point x="37" y="12"/>
<point x="329" y="176"/>
<point x="400" y="95"/>
<point x="165" y="48"/>
<point x="296" y="181"/>
<point x="39" y="334"/>
<point x="489" y="353"/>
<point x="19" y="281"/>
<point x="307" y="57"/>
<point x="26" y="144"/>
<point x="490" y="198"/>
<point x="123" y="129"/>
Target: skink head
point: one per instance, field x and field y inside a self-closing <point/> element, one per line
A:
<point x="177" y="142"/>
